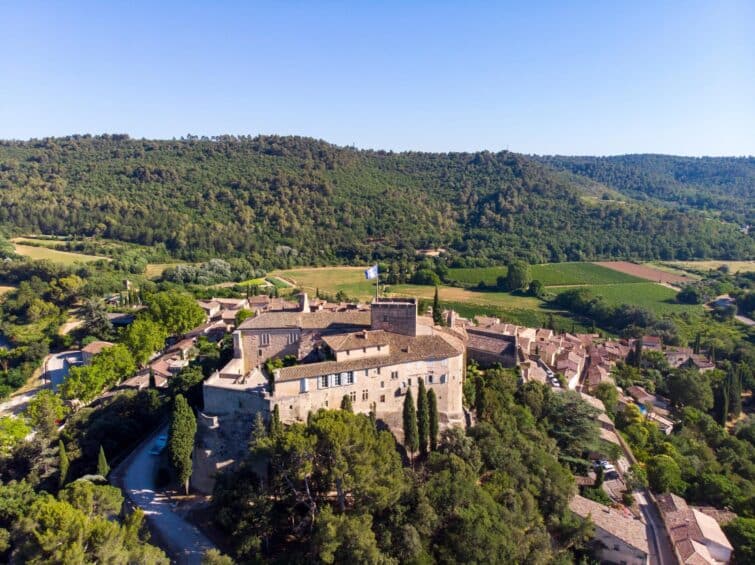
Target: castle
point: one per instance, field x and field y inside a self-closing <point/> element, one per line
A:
<point x="373" y="354"/>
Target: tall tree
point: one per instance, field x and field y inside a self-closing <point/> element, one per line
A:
<point x="432" y="407"/>
<point x="735" y="391"/>
<point x="411" y="433"/>
<point x="152" y="380"/>
<point x="437" y="313"/>
<point x="63" y="464"/>
<point x="638" y="353"/>
<point x="103" y="468"/>
<point x="275" y="422"/>
<point x="518" y="276"/>
<point x="346" y="403"/>
<point x="423" y="418"/>
<point x="183" y="428"/>
<point x="143" y="337"/>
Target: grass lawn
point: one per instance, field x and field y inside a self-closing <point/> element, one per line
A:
<point x="328" y="279"/>
<point x="550" y="274"/>
<point x="54" y="255"/>
<point x="654" y="297"/>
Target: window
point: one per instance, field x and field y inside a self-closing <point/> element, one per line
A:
<point x="382" y="398"/>
<point x="326" y="404"/>
<point x="443" y="379"/>
<point x="337" y="379"/>
<point x="324" y="381"/>
<point x="365" y="394"/>
<point x="259" y="353"/>
<point x="378" y="370"/>
<point x="364" y="350"/>
<point x="380" y="347"/>
<point x="429" y="379"/>
<point x="366" y="372"/>
<point x="385" y="317"/>
<point x="265" y="339"/>
<point x="303" y="385"/>
<point x="394" y="374"/>
<point x="382" y="384"/>
<point x="409" y="381"/>
<point x="350" y="378"/>
<point x="291" y="338"/>
<point x="348" y="352"/>
<point x="353" y="396"/>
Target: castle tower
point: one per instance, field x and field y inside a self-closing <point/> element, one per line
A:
<point x="397" y="315"/>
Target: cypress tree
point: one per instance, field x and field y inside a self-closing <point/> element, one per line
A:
<point x="437" y="314"/>
<point x="432" y="406"/>
<point x="411" y="433"/>
<point x="423" y="419"/>
<point x="183" y="428"/>
<point x="102" y="465"/>
<point x="152" y="380"/>
<point x="696" y="346"/>
<point x="259" y="431"/>
<point x="735" y="391"/>
<point x="275" y="422"/>
<point x="725" y="401"/>
<point x="346" y="403"/>
<point x="64" y="464"/>
<point x="638" y="353"/>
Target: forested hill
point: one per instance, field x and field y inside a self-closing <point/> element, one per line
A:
<point x="289" y="200"/>
<point x="724" y="184"/>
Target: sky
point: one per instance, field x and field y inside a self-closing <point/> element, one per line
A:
<point x="566" y="77"/>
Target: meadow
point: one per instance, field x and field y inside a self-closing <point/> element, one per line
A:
<point x="65" y="257"/>
<point x="705" y="266"/>
<point x="550" y="274"/>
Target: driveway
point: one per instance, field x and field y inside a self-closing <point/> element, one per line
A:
<point x="661" y="552"/>
<point x="183" y="542"/>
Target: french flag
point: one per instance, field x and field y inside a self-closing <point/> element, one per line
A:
<point x="371" y="273"/>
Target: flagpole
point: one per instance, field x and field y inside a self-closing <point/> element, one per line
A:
<point x="377" y="284"/>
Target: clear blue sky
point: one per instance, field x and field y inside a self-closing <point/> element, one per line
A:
<point x="550" y="77"/>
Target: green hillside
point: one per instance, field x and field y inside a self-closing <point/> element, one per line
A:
<point x="286" y="201"/>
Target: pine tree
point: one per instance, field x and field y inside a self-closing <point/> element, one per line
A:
<point x="432" y="407"/>
<point x="275" y="422"/>
<point x="102" y="465"/>
<point x="183" y="428"/>
<point x="346" y="403"/>
<point x="696" y="346"/>
<point x="152" y="380"/>
<point x="63" y="465"/>
<point x="423" y="419"/>
<point x="411" y="432"/>
<point x="437" y="314"/>
<point x="725" y="401"/>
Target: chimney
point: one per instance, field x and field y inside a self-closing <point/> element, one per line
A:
<point x="304" y="303"/>
<point x="451" y="318"/>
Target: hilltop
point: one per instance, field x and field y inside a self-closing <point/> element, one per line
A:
<point x="283" y="201"/>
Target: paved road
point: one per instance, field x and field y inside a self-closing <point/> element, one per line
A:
<point x="661" y="552"/>
<point x="181" y="540"/>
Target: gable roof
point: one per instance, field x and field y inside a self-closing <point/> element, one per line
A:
<point x="630" y="531"/>
<point x="356" y="340"/>
<point x="403" y="349"/>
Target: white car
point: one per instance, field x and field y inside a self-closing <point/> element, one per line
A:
<point x="159" y="446"/>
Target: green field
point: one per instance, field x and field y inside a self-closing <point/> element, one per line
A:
<point x="654" y="297"/>
<point x="64" y="257"/>
<point x="550" y="274"/>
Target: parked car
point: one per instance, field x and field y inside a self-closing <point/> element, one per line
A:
<point x="159" y="446"/>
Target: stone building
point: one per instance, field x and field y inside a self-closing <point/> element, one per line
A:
<point x="372" y="356"/>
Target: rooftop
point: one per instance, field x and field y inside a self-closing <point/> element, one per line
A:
<point x="630" y="531"/>
<point x="96" y="347"/>
<point x="357" y="340"/>
<point x="307" y="320"/>
<point x="403" y="349"/>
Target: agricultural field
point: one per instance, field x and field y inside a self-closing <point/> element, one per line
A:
<point x="704" y="266"/>
<point x="41" y="242"/>
<point x="654" y="297"/>
<point x="64" y="257"/>
<point x="646" y="272"/>
<point x="330" y="280"/>
<point x="550" y="274"/>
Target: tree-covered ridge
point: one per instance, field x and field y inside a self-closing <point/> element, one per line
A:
<point x="725" y="184"/>
<point x="281" y="201"/>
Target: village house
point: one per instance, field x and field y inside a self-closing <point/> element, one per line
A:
<point x="92" y="349"/>
<point x="695" y="536"/>
<point x="618" y="538"/>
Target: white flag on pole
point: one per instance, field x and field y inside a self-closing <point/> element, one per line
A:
<point x="371" y="273"/>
